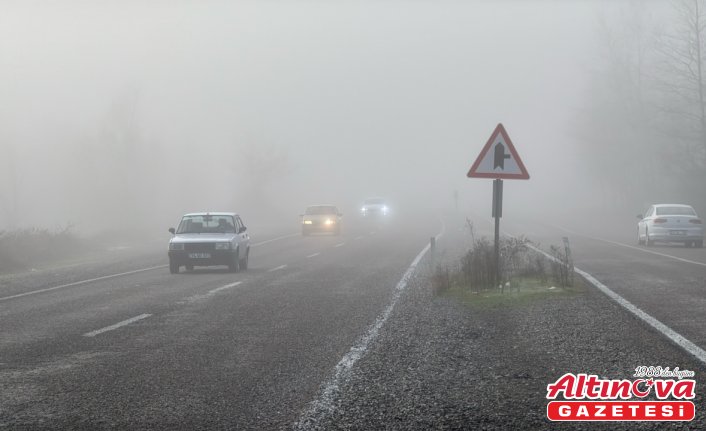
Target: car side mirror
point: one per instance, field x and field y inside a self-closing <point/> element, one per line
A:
<point x="242" y="229"/>
<point x="172" y="231"/>
<point x="640" y="216"/>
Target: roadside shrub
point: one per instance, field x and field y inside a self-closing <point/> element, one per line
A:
<point x="23" y="248"/>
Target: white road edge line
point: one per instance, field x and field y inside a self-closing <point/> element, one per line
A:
<point x="324" y="403"/>
<point x="78" y="283"/>
<point x="106" y="277"/>
<point x="117" y="325"/>
<point x="277" y="268"/>
<point x="274" y="239"/>
<point x="339" y="245"/>
<point x="665" y="330"/>
<point x="313" y="255"/>
<point x="633" y="247"/>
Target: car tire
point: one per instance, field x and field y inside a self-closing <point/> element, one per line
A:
<point x="648" y="241"/>
<point x="244" y="261"/>
<point x="699" y="243"/>
<point x="689" y="244"/>
<point x="189" y="267"/>
<point x="173" y="268"/>
<point x="640" y="241"/>
<point x="234" y="265"/>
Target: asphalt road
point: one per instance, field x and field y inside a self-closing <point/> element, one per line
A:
<point x="118" y="342"/>
<point x="667" y="281"/>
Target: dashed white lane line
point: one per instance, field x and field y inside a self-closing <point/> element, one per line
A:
<point x="210" y="293"/>
<point x="117" y="325"/>
<point x="665" y="330"/>
<point x="324" y="404"/>
<point x="340" y="244"/>
<point x="277" y="268"/>
<point x="78" y="283"/>
<point x="274" y="239"/>
<point x="313" y="255"/>
<point x="358" y="238"/>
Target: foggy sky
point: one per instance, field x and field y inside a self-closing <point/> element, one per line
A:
<point x="358" y="99"/>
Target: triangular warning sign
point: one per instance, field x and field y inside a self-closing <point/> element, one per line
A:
<point x="499" y="159"/>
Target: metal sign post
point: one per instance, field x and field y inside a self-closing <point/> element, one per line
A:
<point x="497" y="213"/>
<point x="494" y="162"/>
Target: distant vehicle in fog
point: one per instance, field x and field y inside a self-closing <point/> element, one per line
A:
<point x="321" y="218"/>
<point x="209" y="239"/>
<point x="670" y="223"/>
<point x="375" y="207"/>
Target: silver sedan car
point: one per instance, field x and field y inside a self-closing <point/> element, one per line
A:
<point x="670" y="223"/>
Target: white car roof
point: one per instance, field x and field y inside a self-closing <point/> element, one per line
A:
<point x="673" y="205"/>
<point x="215" y="213"/>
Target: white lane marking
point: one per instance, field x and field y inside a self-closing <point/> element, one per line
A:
<point x="208" y="294"/>
<point x="633" y="247"/>
<point x="665" y="330"/>
<point x="324" y="404"/>
<point x="277" y="268"/>
<point x="117" y="325"/>
<point x="274" y="239"/>
<point x="78" y="283"/>
<point x="340" y="244"/>
<point x="313" y="255"/>
<point x="357" y="238"/>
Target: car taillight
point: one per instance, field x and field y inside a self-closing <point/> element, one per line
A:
<point x="695" y="221"/>
<point x="660" y="220"/>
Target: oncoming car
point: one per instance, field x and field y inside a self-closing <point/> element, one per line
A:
<point x="375" y="207"/>
<point x="321" y="218"/>
<point x="209" y="239"/>
<point x="670" y="223"/>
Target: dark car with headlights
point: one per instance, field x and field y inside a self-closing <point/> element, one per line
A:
<point x="209" y="239"/>
<point x="374" y="208"/>
<point x="321" y="218"/>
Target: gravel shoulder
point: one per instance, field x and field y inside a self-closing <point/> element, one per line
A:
<point x="440" y="364"/>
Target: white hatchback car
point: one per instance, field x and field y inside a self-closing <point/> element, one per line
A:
<point x="670" y="223"/>
<point x="207" y="239"/>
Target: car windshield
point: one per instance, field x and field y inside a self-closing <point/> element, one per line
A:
<point x="676" y="211"/>
<point x="207" y="224"/>
<point x="321" y="209"/>
<point x="374" y="201"/>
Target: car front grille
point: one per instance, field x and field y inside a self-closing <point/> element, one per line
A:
<point x="199" y="246"/>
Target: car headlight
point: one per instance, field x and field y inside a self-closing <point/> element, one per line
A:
<point x="329" y="221"/>
<point x="176" y="246"/>
<point x="307" y="222"/>
<point x="222" y="246"/>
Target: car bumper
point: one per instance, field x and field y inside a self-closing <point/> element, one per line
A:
<point x="676" y="235"/>
<point x="209" y="258"/>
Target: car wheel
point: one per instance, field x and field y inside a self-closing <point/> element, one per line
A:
<point x="244" y="261"/>
<point x="234" y="265"/>
<point x="189" y="267"/>
<point x="688" y="244"/>
<point x="173" y="267"/>
<point x="640" y="241"/>
<point x="648" y="241"/>
<point x="699" y="243"/>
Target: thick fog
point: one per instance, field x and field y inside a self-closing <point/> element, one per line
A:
<point x="127" y="114"/>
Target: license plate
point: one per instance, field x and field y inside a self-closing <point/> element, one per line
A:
<point x="200" y="255"/>
<point x="677" y="232"/>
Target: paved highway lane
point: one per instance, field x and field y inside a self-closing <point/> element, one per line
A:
<point x="666" y="281"/>
<point x="203" y="349"/>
